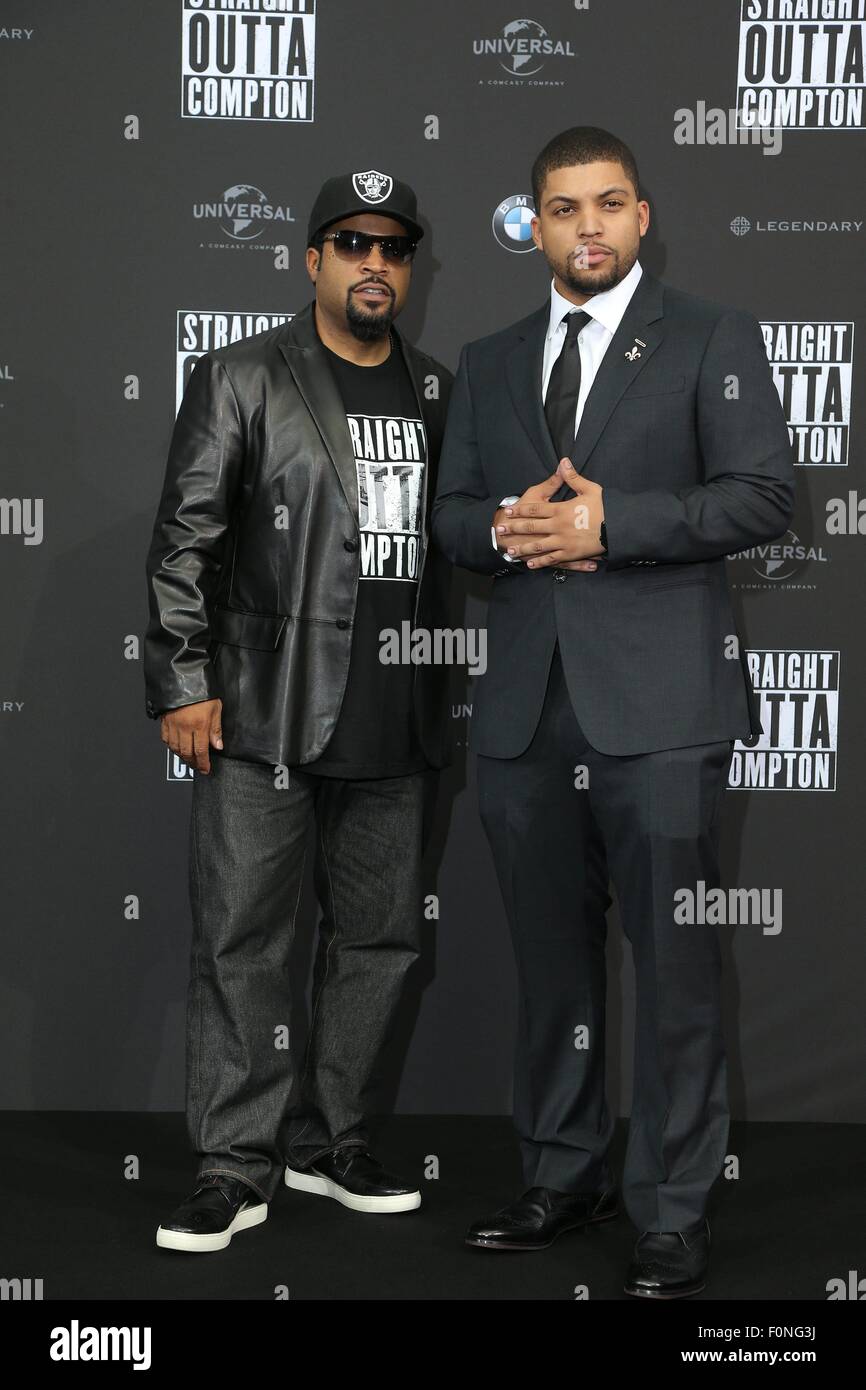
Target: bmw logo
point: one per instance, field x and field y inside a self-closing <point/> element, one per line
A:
<point x="511" y="223"/>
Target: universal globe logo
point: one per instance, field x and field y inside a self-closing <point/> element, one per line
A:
<point x="512" y="223"/>
<point x="522" y="48"/>
<point x="244" y="212"/>
<point x="782" y="559"/>
<point x="524" y="38"/>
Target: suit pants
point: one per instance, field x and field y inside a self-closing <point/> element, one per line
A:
<point x="251" y="1105"/>
<point x="649" y="823"/>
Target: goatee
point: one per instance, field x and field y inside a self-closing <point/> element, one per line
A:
<point x="367" y="327"/>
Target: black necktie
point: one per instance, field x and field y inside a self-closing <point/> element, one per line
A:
<point x="563" y="388"/>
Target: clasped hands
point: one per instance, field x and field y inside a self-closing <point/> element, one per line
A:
<point x="563" y="534"/>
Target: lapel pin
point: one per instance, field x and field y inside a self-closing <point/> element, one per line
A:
<point x="633" y="351"/>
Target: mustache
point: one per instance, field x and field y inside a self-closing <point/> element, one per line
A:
<point x="380" y="284"/>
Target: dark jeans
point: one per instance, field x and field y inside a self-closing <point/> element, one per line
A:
<point x="248" y="1109"/>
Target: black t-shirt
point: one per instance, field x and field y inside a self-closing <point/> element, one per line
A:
<point x="375" y="734"/>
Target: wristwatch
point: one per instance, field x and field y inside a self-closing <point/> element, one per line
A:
<point x="602" y="536"/>
<point x="512" y="559"/>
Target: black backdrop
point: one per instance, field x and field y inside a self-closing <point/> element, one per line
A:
<point x="144" y="212"/>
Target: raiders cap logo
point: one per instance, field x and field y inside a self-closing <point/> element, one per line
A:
<point x="372" y="186"/>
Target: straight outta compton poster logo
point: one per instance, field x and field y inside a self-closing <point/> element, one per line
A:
<point x="201" y="330"/>
<point x="801" y="64"/>
<point x="390" y="454"/>
<point x="798" y="698"/>
<point x="249" y="60"/>
<point x="812" y="363"/>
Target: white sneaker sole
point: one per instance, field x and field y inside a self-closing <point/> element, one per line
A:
<point x="324" y="1187"/>
<point x="217" y="1240"/>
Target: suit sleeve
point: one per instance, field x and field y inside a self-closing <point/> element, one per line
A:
<point x="748" y="493"/>
<point x="202" y="473"/>
<point x="463" y="509"/>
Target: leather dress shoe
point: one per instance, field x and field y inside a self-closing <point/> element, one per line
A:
<point x="537" y="1217"/>
<point x="218" y="1207"/>
<point x="670" y="1264"/>
<point x="355" y="1178"/>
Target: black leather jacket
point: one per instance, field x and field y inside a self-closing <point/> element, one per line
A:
<point x="254" y="561"/>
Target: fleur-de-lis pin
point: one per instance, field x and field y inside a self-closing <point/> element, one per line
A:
<point x="633" y="351"/>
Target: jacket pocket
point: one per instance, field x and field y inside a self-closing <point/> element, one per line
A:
<point x="654" y="388"/>
<point x="651" y="584"/>
<point x="241" y="628"/>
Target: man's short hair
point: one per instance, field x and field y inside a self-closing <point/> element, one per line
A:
<point x="581" y="144"/>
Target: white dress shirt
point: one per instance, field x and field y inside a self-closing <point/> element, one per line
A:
<point x="606" y="310"/>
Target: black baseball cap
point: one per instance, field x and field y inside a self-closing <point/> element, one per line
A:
<point x="366" y="191"/>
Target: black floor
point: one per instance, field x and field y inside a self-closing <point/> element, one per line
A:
<point x="794" y="1220"/>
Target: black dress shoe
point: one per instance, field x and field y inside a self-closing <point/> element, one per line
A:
<point x="355" y="1178"/>
<point x="538" y="1216"/>
<point x="207" y="1220"/>
<point x="670" y="1264"/>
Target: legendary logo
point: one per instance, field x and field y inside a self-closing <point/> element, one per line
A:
<point x="372" y="186"/>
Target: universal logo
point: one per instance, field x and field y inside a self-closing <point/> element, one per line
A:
<point x="512" y="222"/>
<point x="523" y="48"/>
<point x="244" y="212"/>
<point x="778" y="562"/>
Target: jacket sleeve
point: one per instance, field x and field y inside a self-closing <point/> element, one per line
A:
<point x="463" y="508"/>
<point x="205" y="461"/>
<point x="748" y="493"/>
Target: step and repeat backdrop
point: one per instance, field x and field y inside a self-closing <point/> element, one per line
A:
<point x="160" y="159"/>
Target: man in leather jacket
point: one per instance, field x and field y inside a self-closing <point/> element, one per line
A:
<point x="291" y="535"/>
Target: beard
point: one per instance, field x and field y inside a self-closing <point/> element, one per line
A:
<point x="588" y="281"/>
<point x="369" y="324"/>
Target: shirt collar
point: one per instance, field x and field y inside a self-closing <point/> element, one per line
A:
<point x="608" y="306"/>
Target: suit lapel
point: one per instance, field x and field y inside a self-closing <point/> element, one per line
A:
<point x="314" y="379"/>
<point x="524" y="369"/>
<point x="523" y="373"/>
<point x="616" y="372"/>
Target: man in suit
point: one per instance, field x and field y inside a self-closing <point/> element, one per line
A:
<point x="291" y="536"/>
<point x="601" y="458"/>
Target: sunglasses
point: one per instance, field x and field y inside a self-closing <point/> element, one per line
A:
<point x="353" y="246"/>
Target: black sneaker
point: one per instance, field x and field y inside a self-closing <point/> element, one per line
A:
<point x="219" y="1206"/>
<point x="355" y="1178"/>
